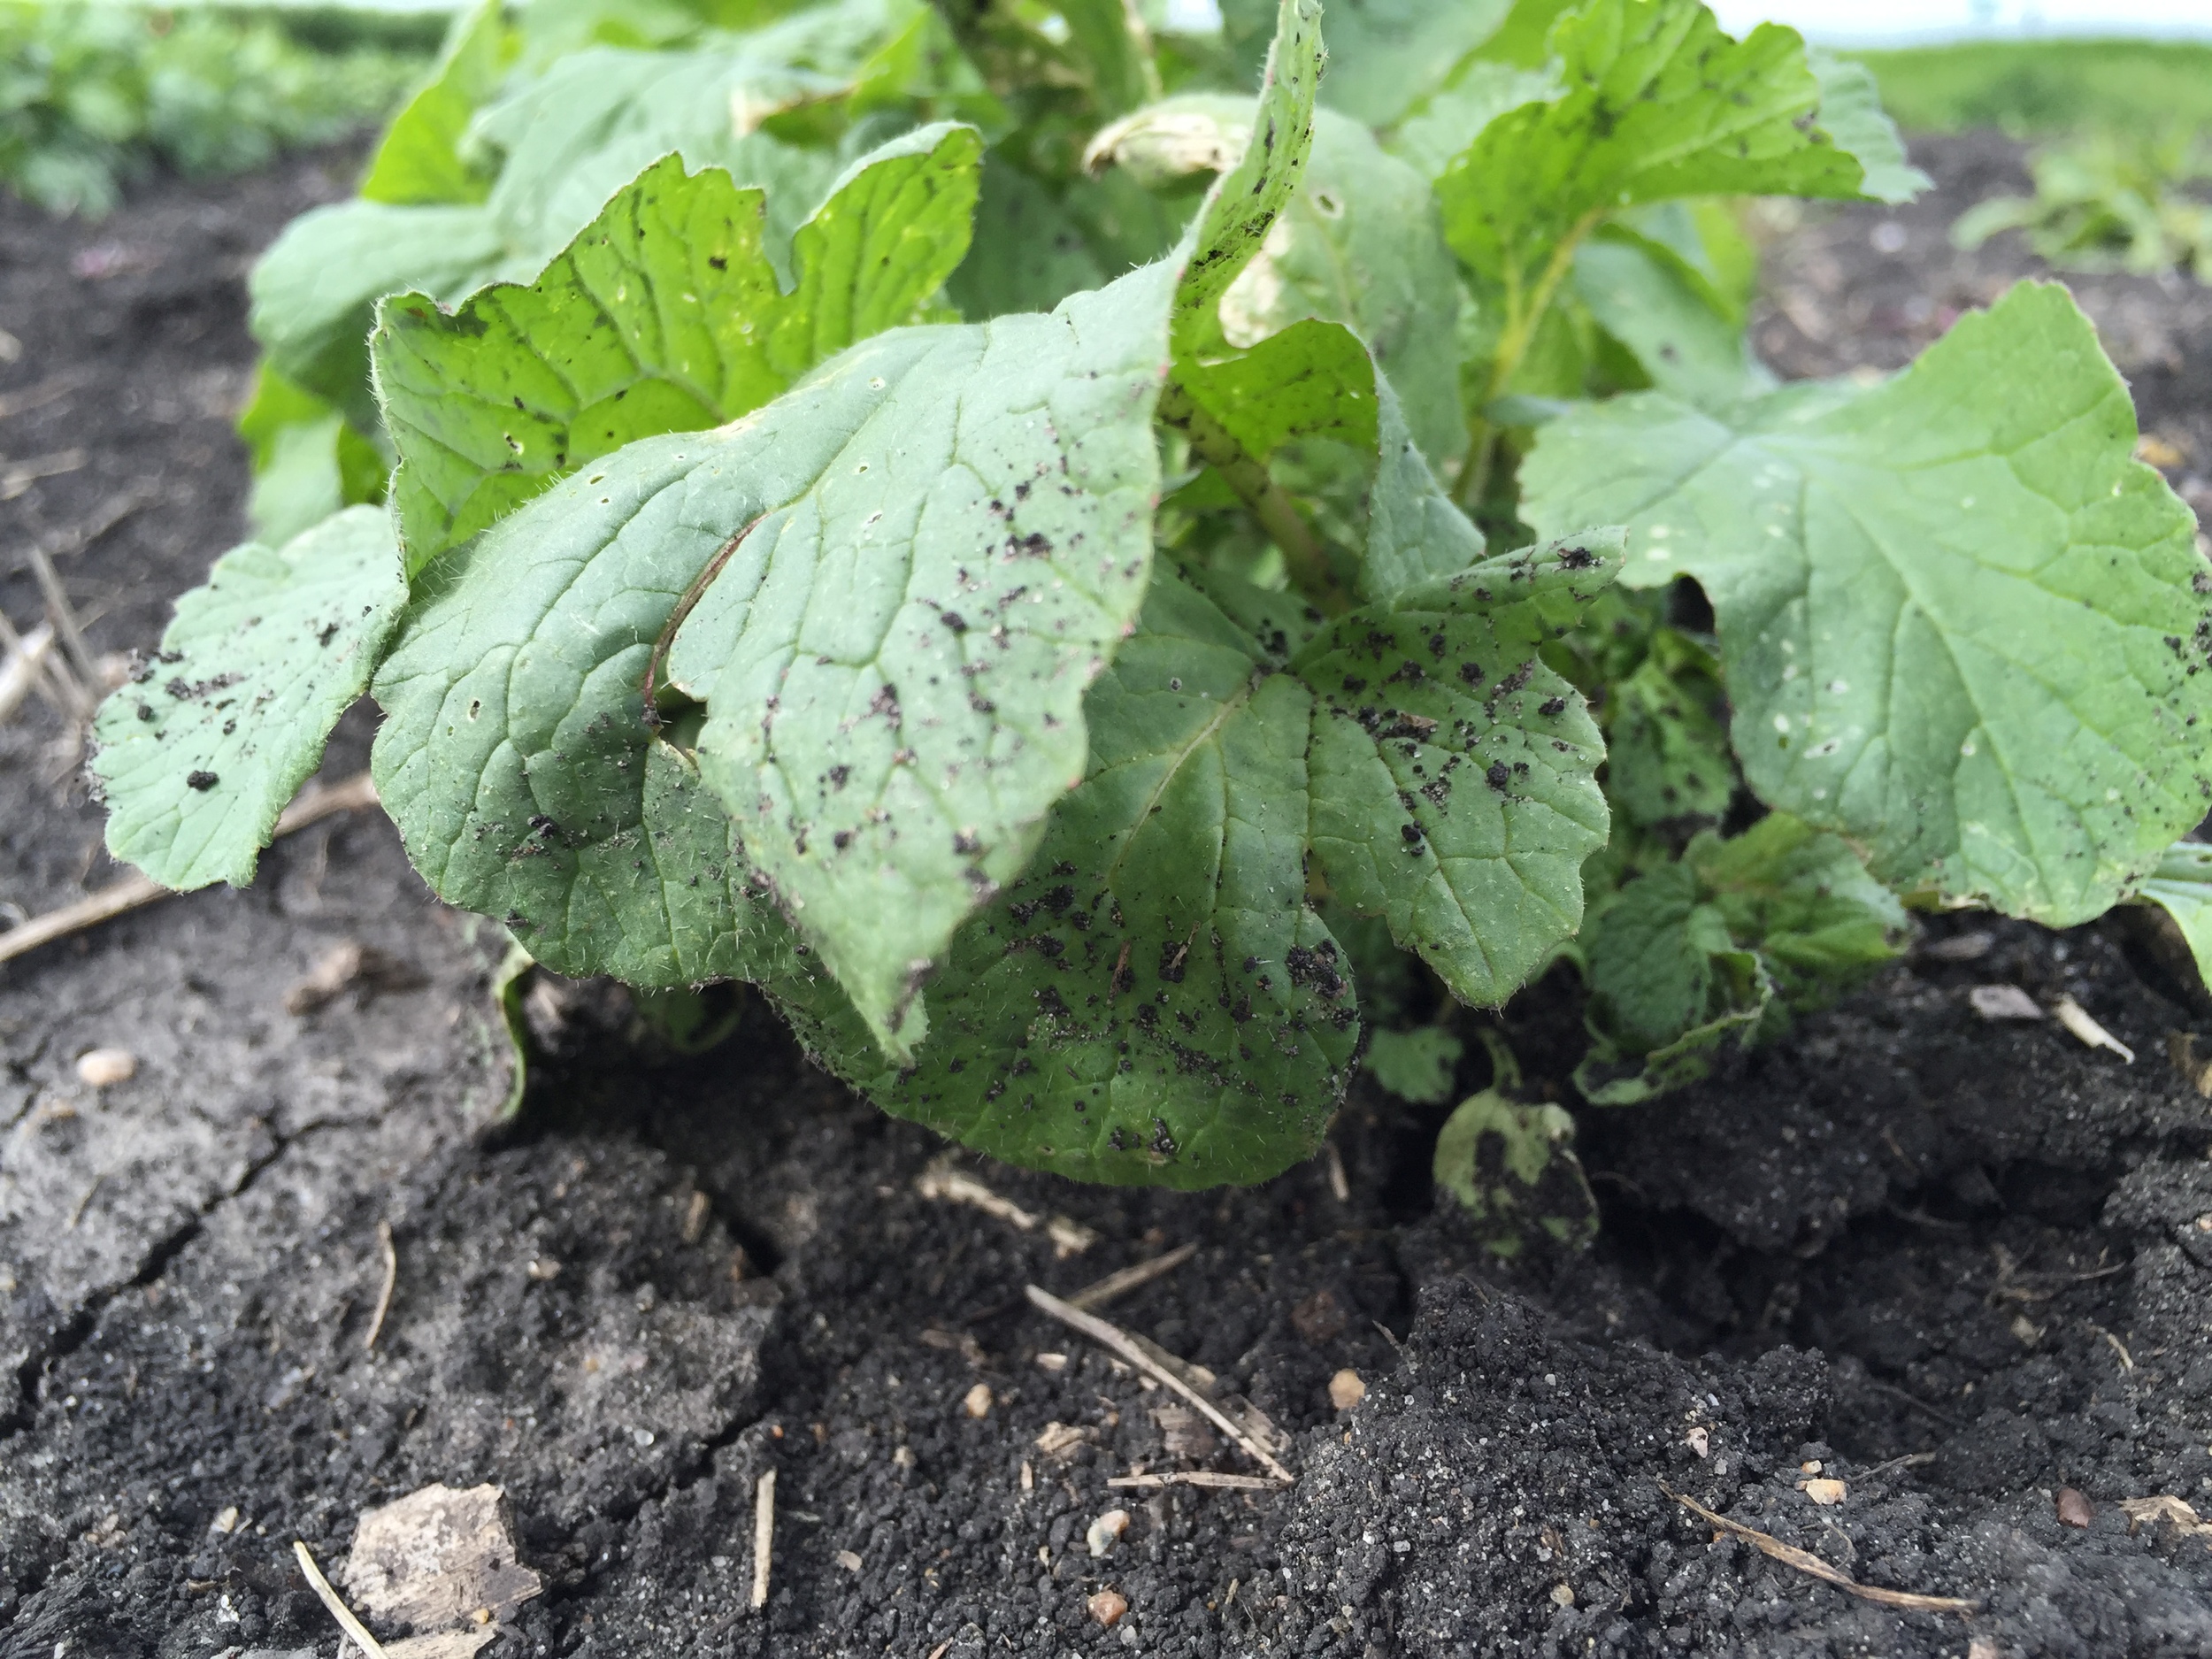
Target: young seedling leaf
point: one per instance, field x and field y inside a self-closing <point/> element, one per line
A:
<point x="1666" y="741"/>
<point x="1668" y="984"/>
<point x="1658" y="104"/>
<point x="665" y="315"/>
<point x="1414" y="1066"/>
<point x="1513" y="1168"/>
<point x="1722" y="942"/>
<point x="1453" y="770"/>
<point x="1153" y="1000"/>
<point x="200" y="754"/>
<point x="1961" y="625"/>
<point x="1804" y="899"/>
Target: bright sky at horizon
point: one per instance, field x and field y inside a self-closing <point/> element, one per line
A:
<point x="1902" y="21"/>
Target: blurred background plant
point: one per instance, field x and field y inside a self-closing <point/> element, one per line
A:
<point x="2111" y="201"/>
<point x="94" y="96"/>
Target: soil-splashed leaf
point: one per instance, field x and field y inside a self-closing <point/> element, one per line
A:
<point x="201" y="753"/>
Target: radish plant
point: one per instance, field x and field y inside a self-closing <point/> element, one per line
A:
<point x="1061" y="571"/>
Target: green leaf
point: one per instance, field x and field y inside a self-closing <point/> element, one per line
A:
<point x="419" y="160"/>
<point x="515" y="760"/>
<point x="1724" y="943"/>
<point x="1642" y="295"/>
<point x="1668" y="984"/>
<point x="1385" y="55"/>
<point x="1452" y="769"/>
<point x="313" y="291"/>
<point x="1244" y="204"/>
<point x="1153" y="1000"/>
<point x="2181" y="884"/>
<point x="1111" y="37"/>
<point x="1819" y="921"/>
<point x="596" y="119"/>
<point x="308" y="460"/>
<point x="1513" y="1167"/>
<point x="1358" y="245"/>
<point x="1851" y="114"/>
<point x="1455" y="116"/>
<point x="200" y="755"/>
<point x="1961" y="625"/>
<point x="1028" y="252"/>
<point x="894" y="650"/>
<point x="1666" y="744"/>
<point x="1414" y="1066"/>
<point x="1659" y="103"/>
<point x="665" y="315"/>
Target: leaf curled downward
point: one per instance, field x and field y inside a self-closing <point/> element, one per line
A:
<point x="1962" y="625"/>
<point x="1243" y="205"/>
<point x="202" y="751"/>
<point x="1453" y="771"/>
<point x="664" y="315"/>
<point x="894" y="662"/>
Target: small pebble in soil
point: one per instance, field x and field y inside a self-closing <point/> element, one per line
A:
<point x="1054" y="1363"/>
<point x="1105" y="1532"/>
<point x="976" y="1402"/>
<point x="1106" y="1607"/>
<point x="2003" y="1002"/>
<point x="849" y="1561"/>
<point x="1699" y="1442"/>
<point x="1563" y="1595"/>
<point x="2074" y="1510"/>
<point x="1824" y="1492"/>
<point x="1346" y="1390"/>
<point x="102" y="1067"/>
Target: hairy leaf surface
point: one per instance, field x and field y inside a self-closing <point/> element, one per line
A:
<point x="665" y="315"/>
<point x="200" y="755"/>
<point x="1961" y="625"/>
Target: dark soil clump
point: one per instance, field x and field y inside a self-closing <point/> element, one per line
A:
<point x="1961" y="1267"/>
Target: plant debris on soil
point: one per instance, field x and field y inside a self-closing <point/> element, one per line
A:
<point x="1919" y="1296"/>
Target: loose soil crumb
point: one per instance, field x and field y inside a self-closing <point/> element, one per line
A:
<point x="1961" y="1268"/>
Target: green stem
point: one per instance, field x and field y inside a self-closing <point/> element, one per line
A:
<point x="1269" y="503"/>
<point x="1522" y="320"/>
